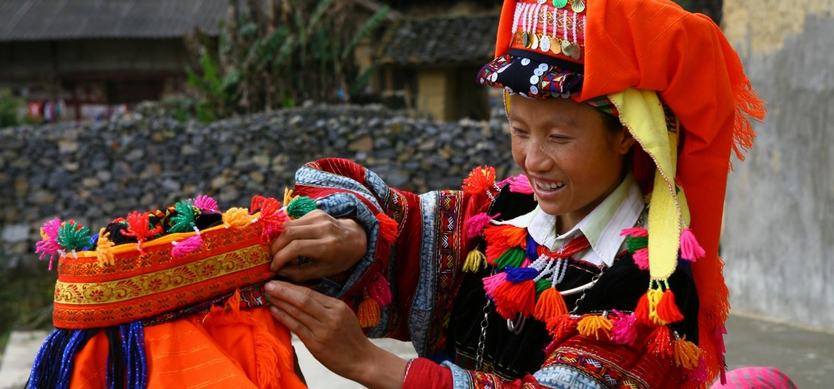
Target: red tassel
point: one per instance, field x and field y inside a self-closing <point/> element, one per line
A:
<point x="380" y="290"/>
<point x="138" y="226"/>
<point x="561" y="328"/>
<point x="481" y="180"/>
<point x="641" y="312"/>
<point x="660" y="342"/>
<point x="512" y="299"/>
<point x="388" y="229"/>
<point x="667" y="310"/>
<point x="272" y="216"/>
<point x="369" y="313"/>
<point x="550" y="305"/>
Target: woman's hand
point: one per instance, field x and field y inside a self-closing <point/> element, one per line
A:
<point x="330" y="330"/>
<point x="317" y="245"/>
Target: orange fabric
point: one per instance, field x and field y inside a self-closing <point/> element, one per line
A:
<point x="224" y="350"/>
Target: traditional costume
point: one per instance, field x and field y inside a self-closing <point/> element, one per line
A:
<point x="167" y="299"/>
<point x="477" y="278"/>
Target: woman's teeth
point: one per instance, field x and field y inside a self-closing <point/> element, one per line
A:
<point x="549" y="186"/>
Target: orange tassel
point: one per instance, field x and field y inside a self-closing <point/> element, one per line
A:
<point x="660" y="342"/>
<point x="512" y="299"/>
<point x="641" y="312"/>
<point x="481" y="179"/>
<point x="368" y="313"/>
<point x="550" y="305"/>
<point x="561" y="328"/>
<point x="501" y="238"/>
<point x="596" y="326"/>
<point x="687" y="354"/>
<point x="667" y="310"/>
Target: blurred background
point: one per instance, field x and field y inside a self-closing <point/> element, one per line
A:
<point x="113" y="106"/>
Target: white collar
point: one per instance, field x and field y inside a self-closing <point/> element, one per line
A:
<point x="621" y="209"/>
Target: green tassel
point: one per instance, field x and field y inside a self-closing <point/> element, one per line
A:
<point x="512" y="257"/>
<point x="542" y="285"/>
<point x="72" y="236"/>
<point x="183" y="221"/>
<point x="634" y="243"/>
<point x="300" y="206"/>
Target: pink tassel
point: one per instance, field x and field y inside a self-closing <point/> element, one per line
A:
<point x="380" y="290"/>
<point x="475" y="225"/>
<point x="518" y="184"/>
<point x="48" y="246"/>
<point x="699" y="374"/>
<point x="691" y="250"/>
<point x="492" y="283"/>
<point x="636" y="232"/>
<point x="641" y="258"/>
<point x="187" y="246"/>
<point x="625" y="329"/>
<point x="207" y="204"/>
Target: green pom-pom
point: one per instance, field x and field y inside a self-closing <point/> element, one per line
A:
<point x="72" y="236"/>
<point x="634" y="243"/>
<point x="512" y="257"/>
<point x="300" y="206"/>
<point x="542" y="285"/>
<point x="183" y="221"/>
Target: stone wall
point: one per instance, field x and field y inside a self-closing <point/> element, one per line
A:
<point x="98" y="171"/>
<point x="779" y="235"/>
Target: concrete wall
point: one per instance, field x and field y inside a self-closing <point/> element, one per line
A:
<point x="779" y="228"/>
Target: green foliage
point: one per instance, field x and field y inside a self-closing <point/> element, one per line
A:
<point x="265" y="60"/>
<point x="10" y="107"/>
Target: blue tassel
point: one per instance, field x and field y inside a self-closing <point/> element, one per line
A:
<point x="47" y="364"/>
<point x="532" y="249"/>
<point x="76" y="342"/>
<point x="133" y="352"/>
<point x="520" y="274"/>
<point x="115" y="361"/>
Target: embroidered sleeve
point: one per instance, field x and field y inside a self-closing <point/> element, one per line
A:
<point x="404" y="286"/>
<point x="425" y="374"/>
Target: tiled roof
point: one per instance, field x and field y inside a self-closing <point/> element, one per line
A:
<point x="86" y="19"/>
<point x="439" y="41"/>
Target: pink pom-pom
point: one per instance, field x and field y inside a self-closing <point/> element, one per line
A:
<point x="187" y="246"/>
<point x="641" y="258"/>
<point x="492" y="283"/>
<point x="518" y="184"/>
<point x="636" y="232"/>
<point x="207" y="204"/>
<point x="380" y="290"/>
<point x="624" y="330"/>
<point x="691" y="250"/>
<point x="475" y="225"/>
<point x="48" y="246"/>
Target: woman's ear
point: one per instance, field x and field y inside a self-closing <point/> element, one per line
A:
<point x="624" y="141"/>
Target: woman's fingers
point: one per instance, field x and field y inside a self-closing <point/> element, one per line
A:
<point x="303" y="298"/>
<point x="311" y="248"/>
<point x="294" y="325"/>
<point x="304" y="272"/>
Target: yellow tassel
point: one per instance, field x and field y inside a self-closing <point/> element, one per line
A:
<point x="687" y="354"/>
<point x="654" y="296"/>
<point x="475" y="260"/>
<point x="595" y="326"/>
<point x="550" y="305"/>
<point x="236" y="217"/>
<point x="368" y="313"/>
<point x="104" y="249"/>
<point x="288" y="197"/>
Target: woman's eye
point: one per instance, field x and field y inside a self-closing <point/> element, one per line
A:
<point x="519" y="131"/>
<point x="559" y="138"/>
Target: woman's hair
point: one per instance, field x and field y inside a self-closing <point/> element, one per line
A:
<point x="611" y="122"/>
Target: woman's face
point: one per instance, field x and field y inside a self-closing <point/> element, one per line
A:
<point x="572" y="159"/>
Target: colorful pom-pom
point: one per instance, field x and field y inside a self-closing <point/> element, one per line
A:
<point x="206" y="204"/>
<point x="272" y="217"/>
<point x="624" y="330"/>
<point x="520" y="274"/>
<point x="184" y="220"/>
<point x="48" y="245"/>
<point x="641" y="258"/>
<point x="380" y="290"/>
<point x="73" y="236"/>
<point x="475" y="225"/>
<point x="237" y="218"/>
<point x="687" y="354"/>
<point x="518" y="184"/>
<point x="492" y="282"/>
<point x="510" y="258"/>
<point x="139" y="227"/>
<point x="641" y="311"/>
<point x="480" y="181"/>
<point x="388" y="229"/>
<point x="475" y="260"/>
<point x="501" y="238"/>
<point x="561" y="328"/>
<point x="667" y="310"/>
<point x="691" y="250"/>
<point x="187" y="246"/>
<point x="513" y="299"/>
<point x="301" y="206"/>
<point x="634" y="243"/>
<point x="551" y="304"/>
<point x="635" y="232"/>
<point x="595" y="326"/>
<point x="369" y="313"/>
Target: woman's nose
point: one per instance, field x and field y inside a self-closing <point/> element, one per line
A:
<point x="536" y="159"/>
